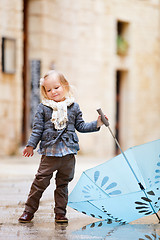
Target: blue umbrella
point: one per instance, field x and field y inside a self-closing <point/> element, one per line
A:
<point x="123" y="189"/>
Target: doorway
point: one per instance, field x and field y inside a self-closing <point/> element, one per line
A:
<point x="26" y="110"/>
<point x="121" y="108"/>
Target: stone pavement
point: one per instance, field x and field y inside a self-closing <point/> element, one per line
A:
<point x="16" y="175"/>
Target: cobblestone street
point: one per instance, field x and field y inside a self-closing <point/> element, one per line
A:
<point x="16" y="175"/>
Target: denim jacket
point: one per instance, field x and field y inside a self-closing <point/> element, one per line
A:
<point x="43" y="130"/>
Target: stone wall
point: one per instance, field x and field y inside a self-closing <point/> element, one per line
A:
<point x="85" y="50"/>
<point x="11" y="84"/>
<point x="79" y="38"/>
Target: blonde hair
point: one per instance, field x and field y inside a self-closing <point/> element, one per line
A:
<point x="54" y="74"/>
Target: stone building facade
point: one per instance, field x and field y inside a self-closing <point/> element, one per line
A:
<point x="11" y="96"/>
<point x="108" y="50"/>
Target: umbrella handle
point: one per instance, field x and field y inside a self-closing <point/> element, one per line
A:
<point x="103" y="118"/>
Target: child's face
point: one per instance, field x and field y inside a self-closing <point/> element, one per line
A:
<point x="54" y="89"/>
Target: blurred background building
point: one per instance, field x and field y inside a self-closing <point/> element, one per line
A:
<point x="108" y="50"/>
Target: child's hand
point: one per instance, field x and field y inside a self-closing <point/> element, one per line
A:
<point x="28" y="151"/>
<point x="99" y="121"/>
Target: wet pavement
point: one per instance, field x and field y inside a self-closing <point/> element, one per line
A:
<point x="16" y="175"/>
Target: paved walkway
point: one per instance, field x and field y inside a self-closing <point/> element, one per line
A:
<point x="16" y="175"/>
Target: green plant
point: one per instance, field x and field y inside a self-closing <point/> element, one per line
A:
<point x="122" y="46"/>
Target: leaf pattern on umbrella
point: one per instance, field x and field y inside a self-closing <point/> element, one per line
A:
<point x="150" y="237"/>
<point x="157" y="175"/>
<point x="157" y="171"/>
<point x="109" y="188"/>
<point x="111" y="217"/>
<point x="143" y="206"/>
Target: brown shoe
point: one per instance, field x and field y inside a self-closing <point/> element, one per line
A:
<point x="60" y="218"/>
<point x="26" y="217"/>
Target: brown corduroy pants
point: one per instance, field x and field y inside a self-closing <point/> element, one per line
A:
<point x="65" y="167"/>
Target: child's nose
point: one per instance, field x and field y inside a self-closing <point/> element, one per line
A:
<point x="53" y="90"/>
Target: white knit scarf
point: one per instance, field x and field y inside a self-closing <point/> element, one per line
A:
<point x="59" y="115"/>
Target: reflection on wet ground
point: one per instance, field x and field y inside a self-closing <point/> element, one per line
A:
<point x="94" y="231"/>
<point x="102" y="230"/>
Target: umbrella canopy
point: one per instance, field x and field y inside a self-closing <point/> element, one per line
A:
<point x="121" y="191"/>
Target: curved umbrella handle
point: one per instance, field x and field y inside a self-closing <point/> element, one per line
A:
<point x="103" y="118"/>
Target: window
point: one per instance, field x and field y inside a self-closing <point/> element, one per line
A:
<point x="122" y="38"/>
<point x="8" y="55"/>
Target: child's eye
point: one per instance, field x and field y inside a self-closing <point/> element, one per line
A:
<point x="48" y="90"/>
<point x="56" y="87"/>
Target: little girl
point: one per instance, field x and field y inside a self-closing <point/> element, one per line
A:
<point x="54" y="127"/>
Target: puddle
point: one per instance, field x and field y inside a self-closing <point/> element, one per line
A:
<point x="103" y="230"/>
<point x="95" y="231"/>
